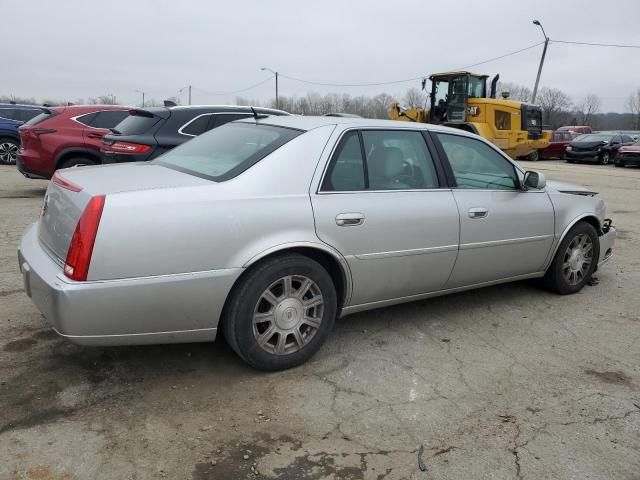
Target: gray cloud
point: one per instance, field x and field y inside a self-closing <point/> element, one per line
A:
<point x="75" y="49"/>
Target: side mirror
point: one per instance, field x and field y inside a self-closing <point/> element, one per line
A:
<point x="534" y="180"/>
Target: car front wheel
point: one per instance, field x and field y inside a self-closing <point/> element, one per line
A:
<point x="604" y="158"/>
<point x="281" y="312"/>
<point x="575" y="260"/>
<point x="8" y="151"/>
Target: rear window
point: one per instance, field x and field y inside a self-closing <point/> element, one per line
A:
<point x="42" y="117"/>
<point x="225" y="152"/>
<point x="136" y="124"/>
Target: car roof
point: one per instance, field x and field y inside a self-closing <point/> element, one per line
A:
<point x="310" y="122"/>
<point x="213" y="108"/>
<point x="20" y="105"/>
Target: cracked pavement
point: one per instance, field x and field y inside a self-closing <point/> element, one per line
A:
<point x="507" y="382"/>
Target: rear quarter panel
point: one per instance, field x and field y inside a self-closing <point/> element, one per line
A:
<point x="217" y="226"/>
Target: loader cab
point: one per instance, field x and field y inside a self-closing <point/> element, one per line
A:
<point x="450" y="92"/>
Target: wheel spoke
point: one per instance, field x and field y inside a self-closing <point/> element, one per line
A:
<point x="287" y="290"/>
<point x="263" y="317"/>
<point x="313" y="302"/>
<point x="270" y="297"/>
<point x="312" y="322"/>
<point x="301" y="292"/>
<point x="282" y="339"/>
<point x="264" y="338"/>
<point x="298" y="337"/>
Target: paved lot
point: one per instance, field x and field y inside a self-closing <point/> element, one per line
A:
<point x="505" y="382"/>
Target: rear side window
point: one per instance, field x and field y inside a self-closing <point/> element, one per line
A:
<point x="392" y="160"/>
<point x="109" y="118"/>
<point x="26" y="114"/>
<point x="477" y="165"/>
<point x="8" y="113"/>
<point x="45" y="115"/>
<point x="137" y="124"/>
<point x="196" y="127"/>
<point x="86" y="119"/>
<point x="225" y="152"/>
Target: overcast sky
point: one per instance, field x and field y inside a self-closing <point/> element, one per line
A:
<point x="77" y="49"/>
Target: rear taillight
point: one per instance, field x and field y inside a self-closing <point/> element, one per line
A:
<point x="64" y="183"/>
<point x="76" y="267"/>
<point x="127" y="147"/>
<point x="36" y="132"/>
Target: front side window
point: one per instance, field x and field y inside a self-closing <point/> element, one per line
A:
<point x="225" y="152"/>
<point x="477" y="165"/>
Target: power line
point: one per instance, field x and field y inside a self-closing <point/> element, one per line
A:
<point x="413" y="79"/>
<point x="617" y="45"/>
<point x="235" y="91"/>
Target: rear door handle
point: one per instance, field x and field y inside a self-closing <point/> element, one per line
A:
<point x="478" y="212"/>
<point x="349" y="219"/>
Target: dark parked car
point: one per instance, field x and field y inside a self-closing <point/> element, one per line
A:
<point x="62" y="137"/>
<point x="13" y="115"/>
<point x="628" y="155"/>
<point x="596" y="147"/>
<point x="559" y="142"/>
<point x="149" y="132"/>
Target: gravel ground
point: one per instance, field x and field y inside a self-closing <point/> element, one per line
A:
<point x="505" y="382"/>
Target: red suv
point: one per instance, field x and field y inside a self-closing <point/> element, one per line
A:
<point x="63" y="137"/>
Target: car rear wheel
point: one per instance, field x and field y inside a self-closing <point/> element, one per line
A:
<point x="8" y="151"/>
<point x="604" y="158"/>
<point x="575" y="261"/>
<point x="281" y="313"/>
<point x="533" y="156"/>
<point x="77" y="162"/>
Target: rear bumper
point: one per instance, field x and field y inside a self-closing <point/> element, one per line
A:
<point x="147" y="310"/>
<point x="24" y="170"/>
<point x="112" y="157"/>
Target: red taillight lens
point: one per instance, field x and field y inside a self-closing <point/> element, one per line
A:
<point x="126" y="147"/>
<point x="64" y="183"/>
<point x="76" y="267"/>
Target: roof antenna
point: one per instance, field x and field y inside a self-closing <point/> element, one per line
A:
<point x="255" y="114"/>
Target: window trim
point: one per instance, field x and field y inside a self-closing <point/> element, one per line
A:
<point x="75" y="119"/>
<point x="449" y="169"/>
<point x="431" y="148"/>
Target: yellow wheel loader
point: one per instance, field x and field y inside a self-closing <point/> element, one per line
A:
<point x="460" y="100"/>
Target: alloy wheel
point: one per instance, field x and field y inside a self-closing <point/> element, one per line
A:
<point x="288" y="315"/>
<point x="605" y="158"/>
<point x="8" y="153"/>
<point x="577" y="259"/>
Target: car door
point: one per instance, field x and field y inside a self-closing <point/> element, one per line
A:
<point x="381" y="204"/>
<point x="505" y="231"/>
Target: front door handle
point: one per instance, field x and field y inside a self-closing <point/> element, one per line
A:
<point x="349" y="219"/>
<point x="478" y="212"/>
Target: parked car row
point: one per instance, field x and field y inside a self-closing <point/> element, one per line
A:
<point x="13" y="115"/>
<point x="63" y="137"/>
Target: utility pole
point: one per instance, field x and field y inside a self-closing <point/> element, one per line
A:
<point x="544" y="53"/>
<point x="276" y="75"/>
<point x="142" y="93"/>
<point x="189" y="94"/>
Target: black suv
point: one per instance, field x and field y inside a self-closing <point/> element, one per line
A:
<point x="149" y="132"/>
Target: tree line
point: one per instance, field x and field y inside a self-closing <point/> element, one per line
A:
<point x="558" y="108"/>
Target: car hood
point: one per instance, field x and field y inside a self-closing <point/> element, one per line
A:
<point x="570" y="188"/>
<point x="599" y="143"/>
<point x="630" y="148"/>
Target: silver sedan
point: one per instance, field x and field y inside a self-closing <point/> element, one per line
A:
<point x="270" y="228"/>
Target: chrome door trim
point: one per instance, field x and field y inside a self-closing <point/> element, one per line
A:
<point x="508" y="241"/>
<point x="404" y="253"/>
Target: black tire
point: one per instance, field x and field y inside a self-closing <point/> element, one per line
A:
<point x="8" y="150"/>
<point x="77" y="162"/>
<point x="563" y="156"/>
<point x="533" y="156"/>
<point x="604" y="158"/>
<point x="554" y="279"/>
<point x="237" y="319"/>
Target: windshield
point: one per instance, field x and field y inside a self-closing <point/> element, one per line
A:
<point x="227" y="151"/>
<point x="593" y="138"/>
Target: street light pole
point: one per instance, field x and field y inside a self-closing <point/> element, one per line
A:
<point x="276" y="74"/>
<point x="142" y="93"/>
<point x="544" y="53"/>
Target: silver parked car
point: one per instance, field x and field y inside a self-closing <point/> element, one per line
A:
<point x="270" y="228"/>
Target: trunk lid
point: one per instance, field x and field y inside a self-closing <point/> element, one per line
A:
<point x="71" y="189"/>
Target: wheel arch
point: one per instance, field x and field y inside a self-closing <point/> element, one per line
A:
<point x="328" y="257"/>
<point x="588" y="218"/>
<point x="73" y="152"/>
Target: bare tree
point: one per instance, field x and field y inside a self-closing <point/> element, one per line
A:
<point x="555" y="105"/>
<point x="633" y="107"/>
<point x="414" y="98"/>
<point x="588" y="108"/>
<point x="516" y="91"/>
